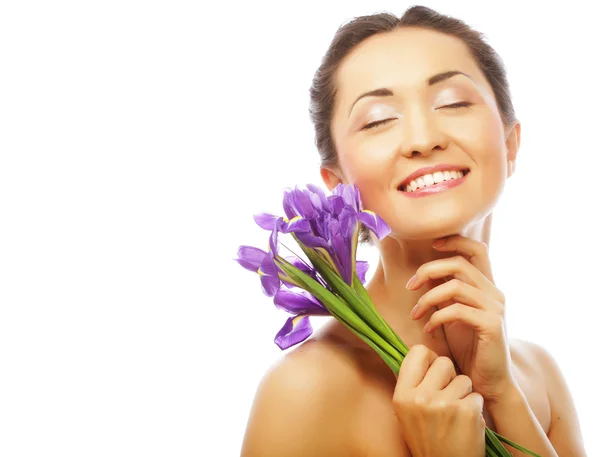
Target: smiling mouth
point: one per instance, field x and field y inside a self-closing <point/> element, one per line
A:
<point x="465" y="172"/>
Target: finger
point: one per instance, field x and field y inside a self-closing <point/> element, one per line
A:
<point x="456" y="291"/>
<point x="476" y="252"/>
<point x="475" y="400"/>
<point x="457" y="267"/>
<point x="483" y="322"/>
<point x="439" y="375"/>
<point x="459" y="387"/>
<point x="414" y="366"/>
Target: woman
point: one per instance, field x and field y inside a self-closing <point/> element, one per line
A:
<point x="417" y="112"/>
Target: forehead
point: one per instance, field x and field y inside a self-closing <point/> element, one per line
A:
<point x="402" y="60"/>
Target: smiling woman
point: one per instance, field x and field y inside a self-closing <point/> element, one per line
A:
<point x="416" y="111"/>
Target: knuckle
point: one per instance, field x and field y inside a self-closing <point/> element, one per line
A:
<point x="399" y="398"/>
<point x="456" y="284"/>
<point x="446" y="362"/>
<point x="472" y="408"/>
<point x="501" y="297"/>
<point x="419" y="348"/>
<point x="483" y="247"/>
<point x="447" y="366"/>
<point x="441" y="405"/>
<point x="467" y="409"/>
<point x="460" y="260"/>
<point x="462" y="310"/>
<point x="402" y="397"/>
<point x="421" y="400"/>
<point x="466" y="380"/>
<point x="421" y="351"/>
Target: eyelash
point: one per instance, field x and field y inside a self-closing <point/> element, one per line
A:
<point x="376" y="123"/>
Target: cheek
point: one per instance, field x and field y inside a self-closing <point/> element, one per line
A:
<point x="373" y="174"/>
<point x="371" y="162"/>
<point x="481" y="137"/>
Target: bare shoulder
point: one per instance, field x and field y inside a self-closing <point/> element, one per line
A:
<point x="530" y="360"/>
<point x="525" y="354"/>
<point x="533" y="357"/>
<point x="304" y="405"/>
<point x="564" y="431"/>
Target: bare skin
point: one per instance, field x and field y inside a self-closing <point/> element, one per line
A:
<point x="376" y="430"/>
<point x="333" y="395"/>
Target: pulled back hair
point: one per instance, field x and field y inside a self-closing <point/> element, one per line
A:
<point x="323" y="91"/>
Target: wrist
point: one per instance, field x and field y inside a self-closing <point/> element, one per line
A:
<point x="509" y="397"/>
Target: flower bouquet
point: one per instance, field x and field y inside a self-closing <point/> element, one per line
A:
<point x="326" y="228"/>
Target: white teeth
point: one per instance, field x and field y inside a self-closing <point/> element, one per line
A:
<point x="430" y="179"/>
<point x="438" y="176"/>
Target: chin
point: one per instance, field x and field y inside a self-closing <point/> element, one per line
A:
<point x="431" y="226"/>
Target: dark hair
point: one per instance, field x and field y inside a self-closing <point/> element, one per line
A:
<point x="323" y="92"/>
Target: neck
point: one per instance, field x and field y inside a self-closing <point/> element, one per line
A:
<point x="398" y="262"/>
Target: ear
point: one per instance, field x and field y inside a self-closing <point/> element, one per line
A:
<point x="513" y="140"/>
<point x="330" y="178"/>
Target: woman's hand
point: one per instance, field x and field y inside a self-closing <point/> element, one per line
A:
<point x="471" y="311"/>
<point x="438" y="412"/>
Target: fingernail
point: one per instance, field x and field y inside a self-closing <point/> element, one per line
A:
<point x="438" y="243"/>
<point x="411" y="282"/>
<point x="427" y="326"/>
<point x="414" y="310"/>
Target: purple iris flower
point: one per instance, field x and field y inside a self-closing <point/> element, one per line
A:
<point x="332" y="220"/>
<point x="261" y="262"/>
<point x="328" y="224"/>
<point x="293" y="300"/>
<point x="301" y="304"/>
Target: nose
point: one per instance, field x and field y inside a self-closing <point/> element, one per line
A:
<point x="421" y="133"/>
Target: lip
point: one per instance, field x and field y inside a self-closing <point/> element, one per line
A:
<point x="436" y="188"/>
<point x="430" y="170"/>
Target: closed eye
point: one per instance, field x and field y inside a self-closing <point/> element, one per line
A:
<point x="376" y="123"/>
<point x="458" y="105"/>
<point x="383" y="121"/>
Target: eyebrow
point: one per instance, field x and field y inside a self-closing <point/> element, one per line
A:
<point x="384" y="91"/>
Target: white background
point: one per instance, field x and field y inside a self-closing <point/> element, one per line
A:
<point x="137" y="140"/>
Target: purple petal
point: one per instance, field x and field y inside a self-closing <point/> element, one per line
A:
<point x="349" y="197"/>
<point x="311" y="241"/>
<point x="348" y="223"/>
<point x="288" y="206"/>
<point x="269" y="275"/>
<point x="362" y="266"/>
<point x="298" y="301"/>
<point x="337" y="203"/>
<point x="250" y="257"/>
<point x="343" y="257"/>
<point x="273" y="238"/>
<point x="295" y="330"/>
<point x="319" y="226"/>
<point x="374" y="223"/>
<point x="337" y="190"/>
<point x="296" y="224"/>
<point x="266" y="220"/>
<point x="303" y="205"/>
<point x="270" y="285"/>
<point x="317" y="192"/>
<point x="358" y="202"/>
<point x="300" y="264"/>
<point x="268" y="266"/>
<point x="316" y="201"/>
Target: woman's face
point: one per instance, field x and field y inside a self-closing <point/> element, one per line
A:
<point x="422" y="131"/>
